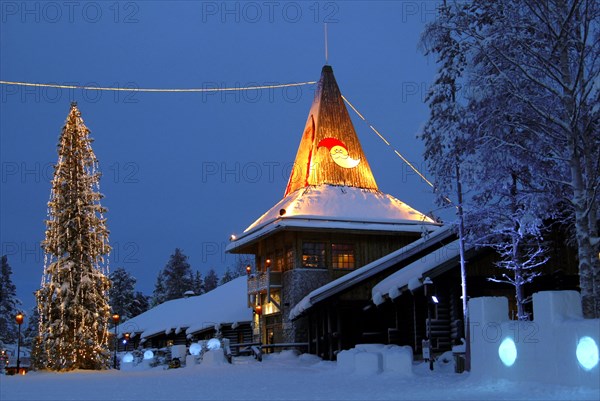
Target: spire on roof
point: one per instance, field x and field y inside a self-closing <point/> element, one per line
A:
<point x="329" y="152"/>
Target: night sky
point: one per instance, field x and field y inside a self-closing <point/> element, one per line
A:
<point x="187" y="169"/>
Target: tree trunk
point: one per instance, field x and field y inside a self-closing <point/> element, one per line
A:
<point x="463" y="268"/>
<point x="587" y="278"/>
<point x="590" y="293"/>
<point x="521" y="314"/>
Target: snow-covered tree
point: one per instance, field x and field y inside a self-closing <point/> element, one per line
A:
<point x="121" y="293"/>
<point x="536" y="66"/>
<point x="8" y="304"/>
<point x="31" y="331"/>
<point x="239" y="268"/>
<point x="227" y="276"/>
<point x="141" y="304"/>
<point x="545" y="59"/>
<point x="198" y="287"/>
<point x="73" y="299"/>
<point x="178" y="277"/>
<point x="447" y="147"/>
<point x="504" y="223"/>
<point x="211" y="281"/>
<point x="159" y="294"/>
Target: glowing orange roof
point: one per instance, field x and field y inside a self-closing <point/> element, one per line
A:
<point x="329" y="152"/>
<point x="331" y="186"/>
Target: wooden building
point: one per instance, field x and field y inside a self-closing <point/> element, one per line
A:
<point x="223" y="311"/>
<point x="332" y="220"/>
<point x="384" y="301"/>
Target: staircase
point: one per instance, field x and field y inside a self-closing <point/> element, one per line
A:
<point x="441" y="329"/>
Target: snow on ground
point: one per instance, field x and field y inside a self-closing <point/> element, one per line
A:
<point x="279" y="377"/>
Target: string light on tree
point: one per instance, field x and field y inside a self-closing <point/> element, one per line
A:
<point x="73" y="299"/>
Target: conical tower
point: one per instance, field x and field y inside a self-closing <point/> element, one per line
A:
<point x="329" y="152"/>
<point x="331" y="178"/>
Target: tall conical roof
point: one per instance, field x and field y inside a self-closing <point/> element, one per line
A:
<point x="329" y="152"/>
<point x="331" y="186"/>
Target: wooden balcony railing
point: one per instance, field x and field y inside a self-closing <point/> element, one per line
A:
<point x="263" y="281"/>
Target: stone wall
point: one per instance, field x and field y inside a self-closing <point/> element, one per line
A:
<point x="298" y="283"/>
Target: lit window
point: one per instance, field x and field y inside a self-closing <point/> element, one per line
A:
<point x="313" y="254"/>
<point x="289" y="259"/>
<point x="342" y="256"/>
<point x="278" y="265"/>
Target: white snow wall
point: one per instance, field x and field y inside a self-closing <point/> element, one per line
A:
<point x="545" y="347"/>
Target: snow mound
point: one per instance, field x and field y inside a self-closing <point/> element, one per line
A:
<point x="214" y="357"/>
<point x="283" y="355"/>
<point x="370" y="359"/>
<point x="309" y="358"/>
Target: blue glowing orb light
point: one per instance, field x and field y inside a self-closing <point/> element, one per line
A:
<point x="507" y="351"/>
<point x="148" y="354"/>
<point x="195" y="349"/>
<point x="587" y="353"/>
<point x="128" y="357"/>
<point x="213" y="343"/>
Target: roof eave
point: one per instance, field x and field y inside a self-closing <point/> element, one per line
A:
<point x="292" y="222"/>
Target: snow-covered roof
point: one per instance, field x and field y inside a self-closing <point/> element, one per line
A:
<point x="410" y="276"/>
<point x="337" y="207"/>
<point x="331" y="185"/>
<point x="369" y="270"/>
<point x="227" y="303"/>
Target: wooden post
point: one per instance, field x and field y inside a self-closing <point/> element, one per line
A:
<point x="309" y="318"/>
<point x="339" y="330"/>
<point x="317" y="330"/>
<point x="329" y="331"/>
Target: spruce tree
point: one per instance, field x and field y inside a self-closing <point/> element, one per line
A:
<point x="31" y="331"/>
<point x="140" y="304"/>
<point x="227" y="277"/>
<point x="73" y="299"/>
<point x="178" y="276"/>
<point x="211" y="281"/>
<point x="8" y="304"/>
<point x="198" y="284"/>
<point x="159" y="294"/>
<point x="121" y="293"/>
<point x="239" y="268"/>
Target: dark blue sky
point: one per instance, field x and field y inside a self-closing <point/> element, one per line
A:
<point x="187" y="170"/>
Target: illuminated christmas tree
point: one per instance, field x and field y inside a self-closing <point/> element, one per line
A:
<point x="73" y="298"/>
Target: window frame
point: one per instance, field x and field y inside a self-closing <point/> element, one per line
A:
<point x="319" y="249"/>
<point x="347" y="252"/>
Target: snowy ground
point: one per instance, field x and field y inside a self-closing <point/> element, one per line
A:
<point x="278" y="377"/>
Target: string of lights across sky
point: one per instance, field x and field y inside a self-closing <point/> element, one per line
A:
<point x="225" y="89"/>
